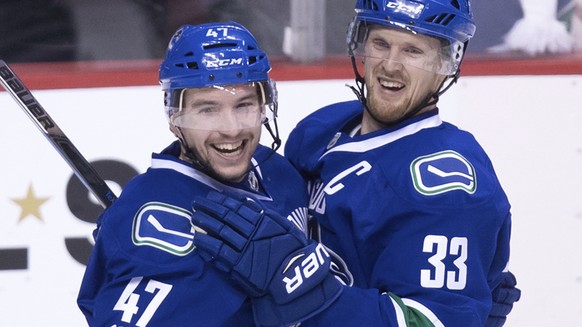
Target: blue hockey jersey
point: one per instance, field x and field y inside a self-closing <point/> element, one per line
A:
<point x="144" y="269"/>
<point x="415" y="211"/>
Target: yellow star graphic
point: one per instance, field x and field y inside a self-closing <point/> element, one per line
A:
<point x="30" y="204"/>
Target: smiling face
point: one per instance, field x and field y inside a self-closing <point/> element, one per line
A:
<point x="222" y="127"/>
<point x="400" y="73"/>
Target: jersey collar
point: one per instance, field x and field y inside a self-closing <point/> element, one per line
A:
<point x="166" y="160"/>
<point x="388" y="135"/>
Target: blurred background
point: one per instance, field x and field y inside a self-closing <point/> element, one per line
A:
<point x="93" y="64"/>
<point x="300" y="30"/>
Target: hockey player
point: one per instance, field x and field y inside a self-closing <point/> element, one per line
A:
<point x="144" y="269"/>
<point x="410" y="204"/>
<point x="436" y="229"/>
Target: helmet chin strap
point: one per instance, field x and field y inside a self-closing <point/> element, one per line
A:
<point x="360" y="92"/>
<point x="429" y="100"/>
<point x="274" y="134"/>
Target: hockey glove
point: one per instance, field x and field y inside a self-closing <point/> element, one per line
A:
<point x="286" y="275"/>
<point x="504" y="296"/>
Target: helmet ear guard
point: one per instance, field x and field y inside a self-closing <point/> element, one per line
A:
<point x="355" y="35"/>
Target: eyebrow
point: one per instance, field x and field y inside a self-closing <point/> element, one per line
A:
<point x="205" y="102"/>
<point x="416" y="41"/>
<point x="197" y="103"/>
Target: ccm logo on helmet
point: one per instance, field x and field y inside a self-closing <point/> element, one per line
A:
<point x="308" y="267"/>
<point x="224" y="62"/>
<point x="406" y="7"/>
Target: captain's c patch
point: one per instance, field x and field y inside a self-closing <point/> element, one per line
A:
<point x="443" y="172"/>
<point x="165" y="227"/>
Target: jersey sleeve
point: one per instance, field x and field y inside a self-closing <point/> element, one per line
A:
<point x="309" y="140"/>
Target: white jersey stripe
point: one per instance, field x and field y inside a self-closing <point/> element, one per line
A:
<point x="202" y="178"/>
<point x="425" y="311"/>
<point x="378" y="141"/>
<point x="399" y="313"/>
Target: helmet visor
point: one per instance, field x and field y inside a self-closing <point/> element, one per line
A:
<point x="220" y="108"/>
<point x="407" y="48"/>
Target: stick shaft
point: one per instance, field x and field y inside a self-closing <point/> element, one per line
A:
<point x="80" y="166"/>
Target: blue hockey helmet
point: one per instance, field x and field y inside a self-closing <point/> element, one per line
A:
<point x="213" y="54"/>
<point x="216" y="55"/>
<point x="448" y="20"/>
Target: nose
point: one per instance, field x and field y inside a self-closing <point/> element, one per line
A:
<point x="229" y="121"/>
<point x="393" y="61"/>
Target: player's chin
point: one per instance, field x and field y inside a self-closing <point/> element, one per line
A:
<point x="231" y="168"/>
<point x="231" y="165"/>
<point x="231" y="173"/>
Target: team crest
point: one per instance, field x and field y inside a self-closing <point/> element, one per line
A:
<point x="253" y="181"/>
<point x="443" y="172"/>
<point x="165" y="227"/>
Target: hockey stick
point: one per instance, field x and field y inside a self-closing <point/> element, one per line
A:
<point x="81" y="167"/>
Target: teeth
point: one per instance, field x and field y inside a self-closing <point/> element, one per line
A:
<point x="390" y="84"/>
<point x="228" y="146"/>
